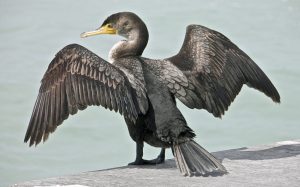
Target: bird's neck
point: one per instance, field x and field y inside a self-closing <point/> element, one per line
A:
<point x="133" y="46"/>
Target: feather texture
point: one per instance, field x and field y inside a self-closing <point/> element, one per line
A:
<point x="216" y="70"/>
<point x="77" y="78"/>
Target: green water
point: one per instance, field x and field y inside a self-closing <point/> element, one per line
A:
<point x="31" y="32"/>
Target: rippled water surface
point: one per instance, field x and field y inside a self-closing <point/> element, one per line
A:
<point x="31" y="32"/>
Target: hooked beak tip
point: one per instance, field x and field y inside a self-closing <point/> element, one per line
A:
<point x="83" y="35"/>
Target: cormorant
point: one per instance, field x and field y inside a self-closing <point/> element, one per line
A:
<point x="207" y="73"/>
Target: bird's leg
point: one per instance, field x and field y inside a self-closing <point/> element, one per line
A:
<point x="139" y="154"/>
<point x="160" y="158"/>
<point x="139" y="157"/>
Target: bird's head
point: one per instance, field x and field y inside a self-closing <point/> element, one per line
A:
<point x="126" y="24"/>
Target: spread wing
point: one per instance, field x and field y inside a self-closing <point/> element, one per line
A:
<point x="209" y="71"/>
<point x="77" y="78"/>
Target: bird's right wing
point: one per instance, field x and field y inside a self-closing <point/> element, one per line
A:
<point x="77" y="78"/>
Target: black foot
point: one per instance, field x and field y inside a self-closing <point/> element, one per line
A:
<point x="142" y="162"/>
<point x="160" y="159"/>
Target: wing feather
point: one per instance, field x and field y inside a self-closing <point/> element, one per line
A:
<point x="216" y="70"/>
<point x="77" y="78"/>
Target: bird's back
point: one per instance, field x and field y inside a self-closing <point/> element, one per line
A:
<point x="169" y="122"/>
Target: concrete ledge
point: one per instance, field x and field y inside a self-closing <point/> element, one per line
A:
<point x="267" y="165"/>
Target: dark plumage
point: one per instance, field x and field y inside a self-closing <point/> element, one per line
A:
<point x="207" y="73"/>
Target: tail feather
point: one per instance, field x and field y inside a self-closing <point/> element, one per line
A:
<point x="193" y="160"/>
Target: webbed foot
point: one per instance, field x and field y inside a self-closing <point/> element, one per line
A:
<point x="160" y="159"/>
<point x="143" y="162"/>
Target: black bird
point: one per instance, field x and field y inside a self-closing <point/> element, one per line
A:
<point x="207" y="73"/>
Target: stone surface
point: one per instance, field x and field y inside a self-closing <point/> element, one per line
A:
<point x="268" y="165"/>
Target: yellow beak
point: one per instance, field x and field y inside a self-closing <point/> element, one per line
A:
<point x="106" y="29"/>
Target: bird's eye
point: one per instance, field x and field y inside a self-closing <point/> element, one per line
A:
<point x="109" y="25"/>
<point x="126" y="23"/>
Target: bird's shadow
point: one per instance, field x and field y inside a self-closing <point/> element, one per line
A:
<point x="244" y="153"/>
<point x="168" y="164"/>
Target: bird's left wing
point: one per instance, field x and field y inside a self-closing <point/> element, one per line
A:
<point x="209" y="71"/>
<point x="77" y="78"/>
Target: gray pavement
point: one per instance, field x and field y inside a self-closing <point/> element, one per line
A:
<point x="266" y="165"/>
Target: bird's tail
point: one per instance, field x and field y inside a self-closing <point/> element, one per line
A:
<point x="193" y="160"/>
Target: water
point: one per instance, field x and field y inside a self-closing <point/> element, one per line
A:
<point x="31" y="32"/>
